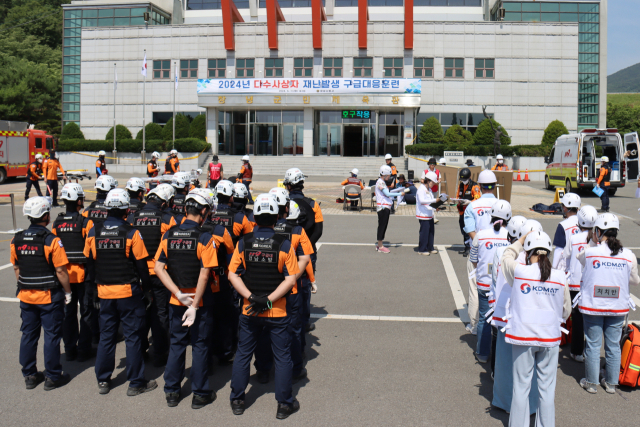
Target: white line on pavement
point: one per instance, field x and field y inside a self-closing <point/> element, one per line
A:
<point x="391" y="245"/>
<point x="6" y="266"/>
<point x="386" y="318"/>
<point x="636" y="300"/>
<point x="9" y="299"/>
<point x="458" y="296"/>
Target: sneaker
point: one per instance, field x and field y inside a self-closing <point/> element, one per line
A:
<point x="285" y="410"/>
<point x="424" y="253"/>
<point x="52" y="385"/>
<point x="199" y="401"/>
<point x="71" y="354"/>
<point x="591" y="388"/>
<point x="435" y="221"/>
<point x="577" y="357"/>
<point x="104" y="387"/>
<point x="609" y="388"/>
<point x="465" y="253"/>
<point x="83" y="356"/>
<point x="310" y="327"/>
<point x="300" y="376"/>
<point x="262" y="377"/>
<point x="383" y="250"/>
<point x="481" y="359"/>
<point x="134" y="391"/>
<point x="237" y="406"/>
<point x="434" y="252"/>
<point x="402" y="204"/>
<point x="472" y="330"/>
<point x="172" y="399"/>
<point x="32" y="381"/>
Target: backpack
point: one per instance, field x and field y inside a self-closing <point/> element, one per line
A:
<point x="630" y="360"/>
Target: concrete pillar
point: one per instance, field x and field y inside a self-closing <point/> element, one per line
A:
<point x="212" y="129"/>
<point x="602" y="108"/>
<point x="407" y="137"/>
<point x="307" y="150"/>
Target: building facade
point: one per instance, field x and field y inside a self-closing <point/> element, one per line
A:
<point x="336" y="77"/>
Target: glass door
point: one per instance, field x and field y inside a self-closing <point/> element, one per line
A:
<point x="330" y="140"/>
<point x="265" y="140"/>
<point x="372" y="140"/>
<point x="292" y="139"/>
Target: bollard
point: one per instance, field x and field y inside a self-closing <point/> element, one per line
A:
<point x="13" y="215"/>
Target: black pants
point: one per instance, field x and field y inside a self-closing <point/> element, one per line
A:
<point x="605" y="197"/>
<point x="577" y="328"/>
<point x="246" y="184"/>
<point x="158" y="319"/>
<point x="52" y="185"/>
<point x="35" y="184"/>
<point x="494" y="342"/>
<point x="465" y="236"/>
<point x="75" y="337"/>
<point x="383" y="222"/>
<point x="213" y="183"/>
<point x="426" y="236"/>
<point x="226" y="314"/>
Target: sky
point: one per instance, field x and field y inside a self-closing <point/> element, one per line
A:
<point x="623" y="35"/>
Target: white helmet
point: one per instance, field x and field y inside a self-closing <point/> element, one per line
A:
<point x="499" y="157"/>
<point x="135" y="185"/>
<point x="118" y="198"/>
<point x="388" y="157"/>
<point x="515" y="223"/>
<point x="537" y="240"/>
<point x="265" y="204"/>
<point x="604" y="158"/>
<point x="35" y="207"/>
<point x="281" y="195"/>
<point x="587" y="216"/>
<point x="155" y="154"/>
<point x="431" y="176"/>
<point x="293" y="176"/>
<point x="201" y="196"/>
<point x="240" y="190"/>
<point x="245" y="158"/>
<point x="487" y="177"/>
<point x="163" y="192"/>
<point x="101" y="153"/>
<point x="442" y="160"/>
<point x="530" y="225"/>
<point x="225" y="188"/>
<point x="294" y="210"/>
<point x="571" y="201"/>
<point x="39" y="158"/>
<point x="180" y="181"/>
<point x="385" y="170"/>
<point x="607" y="221"/>
<point x="501" y="209"/>
<point x="174" y="152"/>
<point x="355" y="171"/>
<point x="105" y="183"/>
<point x="72" y="192"/>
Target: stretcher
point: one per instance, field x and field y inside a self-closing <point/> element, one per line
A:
<point x="78" y="175"/>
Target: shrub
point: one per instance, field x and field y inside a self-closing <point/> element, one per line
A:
<point x="477" y="150"/>
<point x="182" y="128"/>
<point x="71" y="131"/>
<point x="122" y="132"/>
<point x="431" y="132"/>
<point x="153" y="131"/>
<point x="84" y="145"/>
<point x="456" y="134"/>
<point x="553" y="131"/>
<point x="198" y="128"/>
<point x="189" y="145"/>
<point x="484" y="134"/>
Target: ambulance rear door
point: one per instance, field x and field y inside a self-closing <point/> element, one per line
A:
<point x="632" y="145"/>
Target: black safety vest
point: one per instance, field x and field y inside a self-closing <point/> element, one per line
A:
<point x="148" y="221"/>
<point x="466" y="195"/>
<point x="209" y="227"/>
<point x="607" y="175"/>
<point x="261" y="257"/>
<point x="68" y="228"/>
<point x="307" y="217"/>
<point x="134" y="206"/>
<point x="155" y="165"/>
<point x="224" y="216"/>
<point x="102" y="165"/>
<point x="167" y="166"/>
<point x="183" y="264"/>
<point x="113" y="266"/>
<point x="284" y="229"/>
<point x="97" y="212"/>
<point x="178" y="204"/>
<point x="36" y="271"/>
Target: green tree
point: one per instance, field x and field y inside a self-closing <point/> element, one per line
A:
<point x="153" y="131"/>
<point x="456" y="134"/>
<point x="431" y="132"/>
<point x="122" y="132"/>
<point x="625" y="118"/>
<point x="484" y="134"/>
<point x="198" y="128"/>
<point x="51" y="127"/>
<point x="182" y="128"/>
<point x="553" y="131"/>
<point x="48" y="27"/>
<point x="71" y="131"/>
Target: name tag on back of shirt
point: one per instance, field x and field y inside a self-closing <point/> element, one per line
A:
<point x="606" y="291"/>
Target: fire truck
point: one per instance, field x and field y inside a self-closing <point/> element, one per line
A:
<point x="19" y="144"/>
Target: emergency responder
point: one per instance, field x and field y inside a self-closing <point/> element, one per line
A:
<point x="353" y="180"/>
<point x="604" y="300"/>
<point x="576" y="243"/>
<point x="72" y="229"/>
<point x="384" y="203"/>
<point x="467" y="190"/>
<point x="388" y="159"/>
<point x="172" y="164"/>
<point x="188" y="253"/>
<point x="122" y="278"/>
<point x="234" y="220"/>
<point x="96" y="211"/>
<point x="424" y="213"/>
<point x="292" y="219"/>
<point x="566" y="228"/>
<point x="101" y="164"/>
<point x="180" y="182"/>
<point x="500" y="165"/>
<point x="215" y="172"/>
<point x="137" y="190"/>
<point x="153" y="169"/>
<point x="50" y="171"/>
<point x="240" y="201"/>
<point x="313" y="222"/>
<point x="604" y="178"/>
<point x="34" y="175"/>
<point x="263" y="271"/>
<point x="435" y="187"/>
<point x="40" y="265"/>
<point x="477" y="217"/>
<point x="245" y="175"/>
<point x="303" y="250"/>
<point x="152" y="222"/>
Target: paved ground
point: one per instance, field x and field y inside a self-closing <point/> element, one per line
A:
<point x="389" y="349"/>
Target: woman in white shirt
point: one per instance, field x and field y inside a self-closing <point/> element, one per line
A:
<point x="384" y="203"/>
<point x="424" y="212"/>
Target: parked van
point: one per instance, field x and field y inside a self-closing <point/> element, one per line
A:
<point x="574" y="161"/>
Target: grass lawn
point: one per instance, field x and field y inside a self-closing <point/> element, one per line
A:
<point x="624" y="99"/>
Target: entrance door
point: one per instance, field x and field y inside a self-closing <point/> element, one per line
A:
<point x="353" y="140"/>
<point x="330" y="140"/>
<point x="265" y="139"/>
<point x="632" y="145"/>
<point x="292" y="139"/>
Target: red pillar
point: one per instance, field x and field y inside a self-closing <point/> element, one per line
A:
<point x="363" y="18"/>
<point x="408" y="24"/>
<point x="274" y="15"/>
<point x="230" y="15"/>
<point x="317" y="16"/>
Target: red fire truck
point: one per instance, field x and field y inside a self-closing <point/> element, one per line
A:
<point x="19" y="144"/>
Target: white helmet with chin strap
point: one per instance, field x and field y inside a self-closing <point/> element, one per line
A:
<point x="180" y="180"/>
<point x="118" y="198"/>
<point x="72" y="192"/>
<point x="293" y="176"/>
<point x="388" y="157"/>
<point x="607" y="221"/>
<point x="487" y="177"/>
<point x="155" y="155"/>
<point x="105" y="183"/>
<point x="163" y="192"/>
<point x="515" y="223"/>
<point x="294" y="210"/>
<point x="281" y="195"/>
<point x="385" y="170"/>
<point x="135" y="185"/>
<point x="245" y="158"/>
<point x="36" y="207"/>
<point x="530" y="225"/>
<point x="501" y="209"/>
<point x="174" y="152"/>
<point x="200" y="198"/>
<point x="224" y="188"/>
<point x="240" y="191"/>
<point x="431" y="176"/>
<point x="101" y="153"/>
<point x="265" y="204"/>
<point x="355" y="171"/>
<point x="537" y="240"/>
<point x="571" y="201"/>
<point x="587" y="216"/>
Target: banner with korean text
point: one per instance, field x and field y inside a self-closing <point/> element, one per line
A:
<point x="309" y="86"/>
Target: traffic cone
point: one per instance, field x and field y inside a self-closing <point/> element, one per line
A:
<point x="526" y="175"/>
<point x="519" y="178"/>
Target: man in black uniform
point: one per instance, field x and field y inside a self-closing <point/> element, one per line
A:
<point x="137" y="190"/>
<point x="180" y="182"/>
<point x="96" y="211"/>
<point x="152" y="169"/>
<point x="467" y="190"/>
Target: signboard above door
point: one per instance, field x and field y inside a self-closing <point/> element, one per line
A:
<point x="356" y="114"/>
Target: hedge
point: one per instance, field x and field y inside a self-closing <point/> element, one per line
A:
<point x="71" y="131"/>
<point x="133" y="145"/>
<point x="478" y="150"/>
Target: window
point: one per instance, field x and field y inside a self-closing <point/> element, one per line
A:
<point x="423" y="67"/>
<point x="273" y="67"/>
<point x="362" y="67"/>
<point x="332" y="67"/>
<point x="244" y="67"/>
<point x="161" y="69"/>
<point x="217" y="68"/>
<point x="485" y="68"/>
<point x="303" y="67"/>
<point x="189" y="68"/>
<point x="454" y="67"/>
<point x="392" y="67"/>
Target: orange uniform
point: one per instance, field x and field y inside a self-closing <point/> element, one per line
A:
<point x="347" y="182"/>
<point x="175" y="165"/>
<point x="501" y="167"/>
<point x="247" y="172"/>
<point x="34" y="171"/>
<point x="77" y="271"/>
<point x="152" y="169"/>
<point x="51" y="169"/>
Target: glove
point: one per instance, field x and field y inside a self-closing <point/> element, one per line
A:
<point x="148" y="299"/>
<point x="189" y="316"/>
<point x="314" y="287"/>
<point x="67" y="298"/>
<point x="258" y="304"/>
<point x="407" y="190"/>
<point x="185" y="299"/>
<point x="96" y="301"/>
